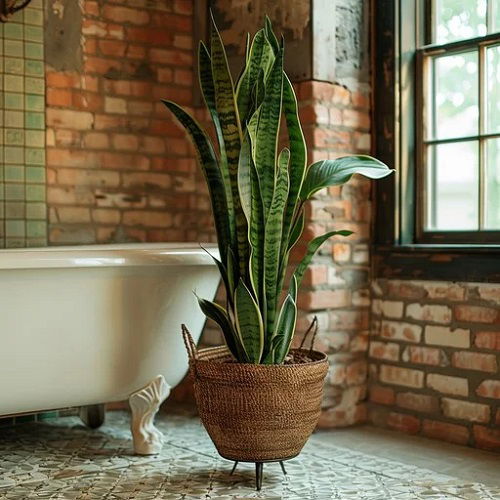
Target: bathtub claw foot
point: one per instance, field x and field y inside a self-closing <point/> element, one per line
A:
<point x="144" y="404"/>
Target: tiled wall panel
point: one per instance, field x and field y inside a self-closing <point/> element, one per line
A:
<point x="23" y="208"/>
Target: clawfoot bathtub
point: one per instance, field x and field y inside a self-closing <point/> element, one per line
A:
<point x="82" y="326"/>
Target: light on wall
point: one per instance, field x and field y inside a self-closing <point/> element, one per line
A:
<point x="10" y="7"/>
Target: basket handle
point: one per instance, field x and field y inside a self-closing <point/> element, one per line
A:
<point x="313" y="327"/>
<point x="189" y="343"/>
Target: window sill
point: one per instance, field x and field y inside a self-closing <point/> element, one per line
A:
<point x="472" y="263"/>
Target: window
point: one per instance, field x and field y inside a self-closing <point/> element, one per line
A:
<point x="458" y="146"/>
<point x="436" y="84"/>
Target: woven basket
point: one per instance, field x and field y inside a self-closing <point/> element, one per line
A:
<point x="256" y="413"/>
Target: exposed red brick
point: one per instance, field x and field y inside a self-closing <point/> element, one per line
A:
<point x="452" y="433"/>
<point x="403" y="423"/>
<point x="388" y="351"/>
<point x="489" y="389"/>
<point x="102" y="66"/>
<point x="120" y="15"/>
<point x="488" y="340"/>
<point x="423" y="355"/>
<point x="417" y="402"/>
<point x="112" y="47"/>
<point x="406" y="290"/>
<point x="315" y="275"/>
<point x="477" y="314"/>
<point x="428" y="312"/>
<point x="90" y="46"/>
<point x="360" y="100"/>
<point x="91" y="8"/>
<point x="183" y="7"/>
<point x="323" y="299"/>
<point x="475" y="361"/>
<point x="152" y="36"/>
<point x="96" y="140"/>
<point x="356" y="372"/>
<point x="172" y="22"/>
<point x="356" y="119"/>
<point x="401" y="376"/>
<point x="63" y="80"/>
<point x="401" y="331"/>
<point x="465" y="410"/>
<point x="381" y="395"/>
<point x="487" y="438"/>
<point x="445" y="384"/>
<point x="59" y="97"/>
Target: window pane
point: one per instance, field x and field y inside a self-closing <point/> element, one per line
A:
<point x="495" y="13"/>
<point x="493" y="94"/>
<point x="455" y="99"/>
<point x="492" y="184"/>
<point x="452" y="186"/>
<point x="459" y="19"/>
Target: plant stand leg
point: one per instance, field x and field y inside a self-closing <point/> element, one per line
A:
<point x="148" y="440"/>
<point x="259" y="470"/>
<point x="234" y="468"/>
<point x="283" y="468"/>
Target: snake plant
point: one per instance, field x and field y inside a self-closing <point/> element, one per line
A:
<point x="258" y="193"/>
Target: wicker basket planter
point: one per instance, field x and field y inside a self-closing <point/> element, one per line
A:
<point x="257" y="413"/>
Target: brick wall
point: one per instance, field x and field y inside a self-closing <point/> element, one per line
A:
<point x="336" y="122"/>
<point x="118" y="167"/>
<point x="434" y="360"/>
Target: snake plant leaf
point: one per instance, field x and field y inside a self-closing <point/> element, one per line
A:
<point x="259" y="90"/>
<point x="256" y="237"/>
<point x="335" y="172"/>
<point x="227" y="111"/>
<point x="268" y="131"/>
<point x="312" y="248"/>
<point x="272" y="237"/>
<point x="244" y="176"/>
<point x="218" y="314"/>
<point x="210" y="168"/>
<point x="207" y="89"/>
<point x="298" y="157"/>
<point x="259" y="59"/>
<point x="249" y="323"/>
<point x="285" y="328"/>
<point x="297" y="230"/>
<point x="223" y="272"/>
<point x="252" y="128"/>
<point x="268" y="27"/>
<point x="232" y="274"/>
<point x="247" y="46"/>
<point x="251" y="201"/>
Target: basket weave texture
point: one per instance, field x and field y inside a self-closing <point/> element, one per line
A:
<point x="257" y="412"/>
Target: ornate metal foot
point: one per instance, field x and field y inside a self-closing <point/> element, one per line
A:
<point x="144" y="404"/>
<point x="93" y="416"/>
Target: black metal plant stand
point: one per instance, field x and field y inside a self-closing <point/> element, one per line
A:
<point x="259" y="471"/>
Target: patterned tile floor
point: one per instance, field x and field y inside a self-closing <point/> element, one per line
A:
<point x="61" y="459"/>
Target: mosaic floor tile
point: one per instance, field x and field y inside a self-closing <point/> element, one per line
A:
<point x="62" y="459"/>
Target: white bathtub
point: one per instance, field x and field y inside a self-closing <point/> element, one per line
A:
<point x="92" y="324"/>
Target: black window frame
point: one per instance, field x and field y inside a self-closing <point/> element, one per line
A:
<point x="399" y="250"/>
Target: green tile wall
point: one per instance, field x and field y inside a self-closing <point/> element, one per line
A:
<point x="23" y="211"/>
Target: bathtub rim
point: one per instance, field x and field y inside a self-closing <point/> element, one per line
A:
<point x="109" y="255"/>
